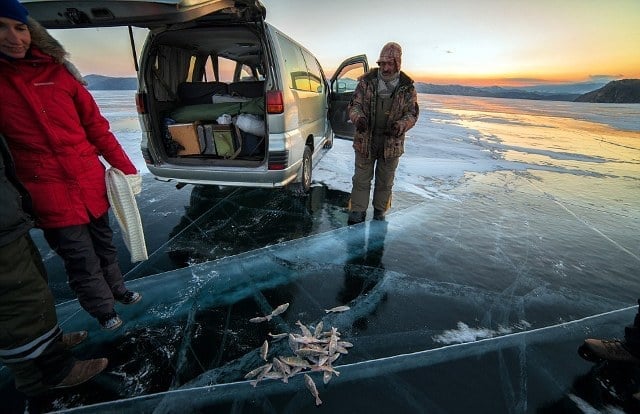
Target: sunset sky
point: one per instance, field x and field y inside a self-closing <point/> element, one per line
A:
<point x="472" y="42"/>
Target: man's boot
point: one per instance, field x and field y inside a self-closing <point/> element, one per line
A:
<point x="610" y="350"/>
<point x="81" y="372"/>
<point x="378" y="214"/>
<point x="71" y="339"/>
<point x="356" y="217"/>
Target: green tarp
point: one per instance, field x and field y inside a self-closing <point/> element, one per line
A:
<point x="210" y="112"/>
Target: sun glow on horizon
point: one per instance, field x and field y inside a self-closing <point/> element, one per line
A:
<point x="468" y="42"/>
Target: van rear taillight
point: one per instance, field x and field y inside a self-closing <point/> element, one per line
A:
<point x="275" y="104"/>
<point x="278" y="160"/>
<point x="141" y="103"/>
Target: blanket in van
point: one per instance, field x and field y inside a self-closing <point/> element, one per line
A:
<point x="210" y="112"/>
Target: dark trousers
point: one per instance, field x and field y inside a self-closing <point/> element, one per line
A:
<point x="91" y="262"/>
<point x="385" y="171"/>
<point x="27" y="314"/>
<point x="632" y="334"/>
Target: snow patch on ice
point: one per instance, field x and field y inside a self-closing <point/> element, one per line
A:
<point x="465" y="333"/>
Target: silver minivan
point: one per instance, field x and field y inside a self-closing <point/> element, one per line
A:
<point x="224" y="98"/>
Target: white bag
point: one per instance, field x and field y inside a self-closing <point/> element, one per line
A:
<point x="250" y="123"/>
<point x="224" y="119"/>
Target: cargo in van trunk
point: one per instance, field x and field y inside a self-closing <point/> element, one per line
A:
<point x="208" y="62"/>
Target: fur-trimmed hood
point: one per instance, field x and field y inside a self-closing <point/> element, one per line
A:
<point x="47" y="44"/>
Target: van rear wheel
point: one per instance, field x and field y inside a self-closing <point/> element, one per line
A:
<point x="304" y="185"/>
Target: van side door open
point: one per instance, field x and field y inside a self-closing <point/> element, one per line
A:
<point x="342" y="86"/>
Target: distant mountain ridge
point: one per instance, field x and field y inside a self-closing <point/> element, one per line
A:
<point x="621" y="91"/>
<point x="108" y="83"/>
<point x="493" y="92"/>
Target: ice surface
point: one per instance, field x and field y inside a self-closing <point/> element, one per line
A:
<point x="513" y="236"/>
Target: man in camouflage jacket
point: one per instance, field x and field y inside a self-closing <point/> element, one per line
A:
<point x="383" y="108"/>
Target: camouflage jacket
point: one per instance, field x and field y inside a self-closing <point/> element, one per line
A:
<point x="404" y="108"/>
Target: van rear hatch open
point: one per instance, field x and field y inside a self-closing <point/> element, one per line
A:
<point x="56" y="14"/>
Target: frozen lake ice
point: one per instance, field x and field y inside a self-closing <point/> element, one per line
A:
<point x="514" y="234"/>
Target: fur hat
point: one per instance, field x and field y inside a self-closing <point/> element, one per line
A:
<point x="13" y="9"/>
<point x="391" y="51"/>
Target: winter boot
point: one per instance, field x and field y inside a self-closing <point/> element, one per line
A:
<point x="81" y="372"/>
<point x="110" y="321"/>
<point x="356" y="217"/>
<point x="71" y="339"/>
<point x="610" y="350"/>
<point x="129" y="298"/>
<point x="378" y="214"/>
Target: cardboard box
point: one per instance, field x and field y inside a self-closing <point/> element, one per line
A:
<point x="187" y="136"/>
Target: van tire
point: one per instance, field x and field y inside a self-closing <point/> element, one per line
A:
<point x="304" y="185"/>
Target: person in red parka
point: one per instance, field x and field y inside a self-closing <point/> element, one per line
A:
<point x="56" y="134"/>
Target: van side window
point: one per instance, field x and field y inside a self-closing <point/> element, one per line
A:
<point x="169" y="67"/>
<point x="348" y="78"/>
<point x="294" y="63"/>
<point x="316" y="83"/>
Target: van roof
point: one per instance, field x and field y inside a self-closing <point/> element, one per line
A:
<point x="64" y="14"/>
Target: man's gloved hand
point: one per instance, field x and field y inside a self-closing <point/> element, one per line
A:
<point x="135" y="182"/>
<point x="398" y="128"/>
<point x="361" y="124"/>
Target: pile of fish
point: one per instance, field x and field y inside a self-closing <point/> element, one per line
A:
<point x="312" y="350"/>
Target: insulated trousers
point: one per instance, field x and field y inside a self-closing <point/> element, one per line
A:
<point x="30" y="342"/>
<point x="385" y="171"/>
<point x="91" y="262"/>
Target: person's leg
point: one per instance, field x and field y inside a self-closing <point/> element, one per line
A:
<point x="385" y="175"/>
<point x="102" y="237"/>
<point x="36" y="376"/>
<point x="75" y="246"/>
<point x="28" y="321"/>
<point x="361" y="190"/>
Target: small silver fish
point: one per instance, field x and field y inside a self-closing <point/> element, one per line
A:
<point x="259" y="370"/>
<point x="318" y="329"/>
<point x="307" y="339"/>
<point x="292" y="343"/>
<point x="259" y="319"/>
<point x="325" y="368"/>
<point x="280" y="309"/>
<point x="310" y="352"/>
<point x="341" y="349"/>
<point x="326" y="376"/>
<point x="283" y="368"/>
<point x="277" y="337"/>
<point x="304" y="329"/>
<point x="338" y="309"/>
<point x="333" y="341"/>
<point x="295" y="362"/>
<point x="267" y="369"/>
<point x="332" y="358"/>
<point x="312" y="387"/>
<point x="264" y="350"/>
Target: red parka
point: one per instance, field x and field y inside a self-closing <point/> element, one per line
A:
<point x="56" y="134"/>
